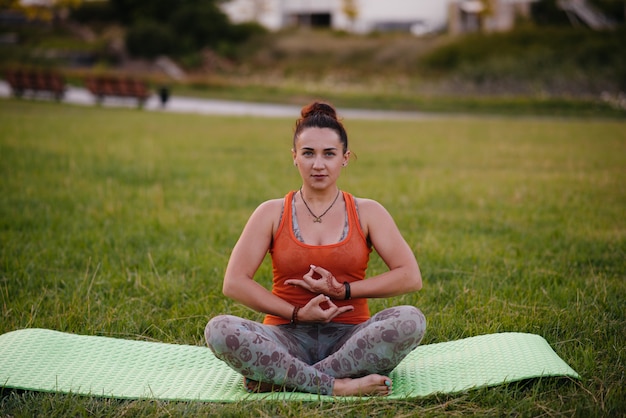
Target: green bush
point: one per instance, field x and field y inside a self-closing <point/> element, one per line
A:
<point x="199" y="25"/>
<point x="243" y="31"/>
<point x="149" y="39"/>
<point x="180" y="30"/>
<point x="94" y="11"/>
<point x="535" y="54"/>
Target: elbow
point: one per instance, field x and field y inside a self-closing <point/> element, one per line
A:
<point x="416" y="280"/>
<point x="409" y="280"/>
<point x="416" y="284"/>
<point x="228" y="290"/>
<point x="236" y="286"/>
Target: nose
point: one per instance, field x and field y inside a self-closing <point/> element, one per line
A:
<point x="318" y="163"/>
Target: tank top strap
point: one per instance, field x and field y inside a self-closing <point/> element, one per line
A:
<point x="285" y="215"/>
<point x="353" y="214"/>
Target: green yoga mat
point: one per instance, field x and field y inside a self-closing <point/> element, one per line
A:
<point x="52" y="361"/>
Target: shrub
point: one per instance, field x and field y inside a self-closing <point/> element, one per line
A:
<point x="149" y="39"/>
<point x="94" y="11"/>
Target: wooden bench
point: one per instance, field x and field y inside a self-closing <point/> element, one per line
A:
<point x="104" y="86"/>
<point x="36" y="81"/>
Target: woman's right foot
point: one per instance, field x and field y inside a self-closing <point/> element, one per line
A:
<point x="370" y="385"/>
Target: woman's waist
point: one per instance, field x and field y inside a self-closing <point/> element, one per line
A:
<point x="359" y="314"/>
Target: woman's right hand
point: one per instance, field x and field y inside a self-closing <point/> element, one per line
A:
<point x="321" y="309"/>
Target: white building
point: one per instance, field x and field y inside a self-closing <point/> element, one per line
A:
<point x="466" y="16"/>
<point x="417" y="15"/>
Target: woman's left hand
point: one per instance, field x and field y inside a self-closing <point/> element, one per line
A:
<point x="325" y="283"/>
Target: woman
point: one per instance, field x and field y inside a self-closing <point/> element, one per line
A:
<point x="317" y="335"/>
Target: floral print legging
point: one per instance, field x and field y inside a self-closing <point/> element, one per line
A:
<point x="308" y="357"/>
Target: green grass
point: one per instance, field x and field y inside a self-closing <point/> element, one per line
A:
<point x="119" y="222"/>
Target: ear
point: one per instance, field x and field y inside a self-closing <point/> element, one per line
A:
<point x="346" y="158"/>
<point x="293" y="156"/>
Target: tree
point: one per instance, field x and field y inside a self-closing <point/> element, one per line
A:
<point x="200" y="24"/>
<point x="177" y="27"/>
<point x="149" y="39"/>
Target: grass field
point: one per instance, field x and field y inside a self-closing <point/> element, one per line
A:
<point x="119" y="222"/>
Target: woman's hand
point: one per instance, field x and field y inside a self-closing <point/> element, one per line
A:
<point x="321" y="309"/>
<point x="321" y="281"/>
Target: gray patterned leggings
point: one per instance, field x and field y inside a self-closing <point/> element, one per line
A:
<point x="308" y="357"/>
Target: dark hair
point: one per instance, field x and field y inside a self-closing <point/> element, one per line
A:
<point x="320" y="115"/>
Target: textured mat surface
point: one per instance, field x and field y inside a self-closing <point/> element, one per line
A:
<point x="52" y="361"/>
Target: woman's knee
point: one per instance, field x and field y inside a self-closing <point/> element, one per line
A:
<point x="414" y="315"/>
<point x="218" y="329"/>
<point x="411" y="312"/>
<point x="411" y="320"/>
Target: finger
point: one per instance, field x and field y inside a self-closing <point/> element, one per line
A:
<point x="331" y="304"/>
<point x="307" y="281"/>
<point x="320" y="270"/>
<point x="319" y="299"/>
<point x="295" y="282"/>
<point x="338" y="311"/>
<point x="309" y="274"/>
<point x="345" y="309"/>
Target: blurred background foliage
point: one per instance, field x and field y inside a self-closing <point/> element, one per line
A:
<point x="168" y="27"/>
<point x="544" y="56"/>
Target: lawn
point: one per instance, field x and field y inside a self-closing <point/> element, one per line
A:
<point x="119" y="222"/>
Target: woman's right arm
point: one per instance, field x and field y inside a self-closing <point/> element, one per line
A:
<point x="247" y="256"/>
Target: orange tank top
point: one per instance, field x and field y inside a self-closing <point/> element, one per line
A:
<point x="347" y="260"/>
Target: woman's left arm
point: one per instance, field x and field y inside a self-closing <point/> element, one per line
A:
<point x="404" y="275"/>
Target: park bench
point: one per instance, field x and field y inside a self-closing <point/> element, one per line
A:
<point x="103" y="86"/>
<point x="36" y="81"/>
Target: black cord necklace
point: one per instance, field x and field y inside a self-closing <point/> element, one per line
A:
<point x="315" y="217"/>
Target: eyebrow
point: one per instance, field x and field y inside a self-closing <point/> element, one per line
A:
<point x="325" y="149"/>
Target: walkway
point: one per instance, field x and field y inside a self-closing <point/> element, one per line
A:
<point x="177" y="104"/>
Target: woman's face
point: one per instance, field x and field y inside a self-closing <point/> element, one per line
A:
<point x="319" y="156"/>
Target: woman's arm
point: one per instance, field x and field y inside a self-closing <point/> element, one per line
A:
<point x="404" y="275"/>
<point x="247" y="256"/>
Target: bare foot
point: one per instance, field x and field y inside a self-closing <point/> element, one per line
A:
<point x="370" y="385"/>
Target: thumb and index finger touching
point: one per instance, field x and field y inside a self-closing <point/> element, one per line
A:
<point x="307" y="280"/>
<point x="323" y="305"/>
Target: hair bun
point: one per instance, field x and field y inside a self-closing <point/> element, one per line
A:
<point x="319" y="108"/>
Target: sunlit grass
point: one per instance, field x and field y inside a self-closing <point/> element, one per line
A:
<point x="120" y="222"/>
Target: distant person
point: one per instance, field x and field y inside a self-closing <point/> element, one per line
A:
<point x="164" y="95"/>
<point x="318" y="335"/>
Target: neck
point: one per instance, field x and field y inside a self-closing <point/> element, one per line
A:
<point x="325" y="195"/>
<point x="317" y="217"/>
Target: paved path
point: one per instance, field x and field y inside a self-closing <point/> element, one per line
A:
<point x="80" y="96"/>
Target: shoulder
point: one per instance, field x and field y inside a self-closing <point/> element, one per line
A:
<point x="372" y="215"/>
<point x="264" y="221"/>
<point x="269" y="208"/>
<point x="369" y="207"/>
